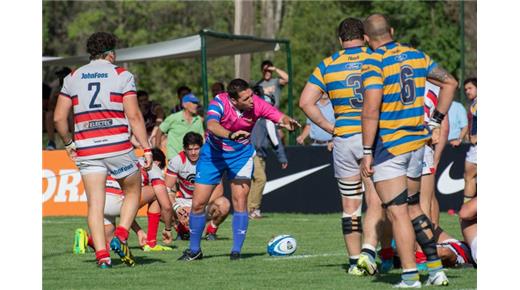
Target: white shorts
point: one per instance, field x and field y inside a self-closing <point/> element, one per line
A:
<point x="186" y="202"/>
<point x="427" y="165"/>
<point x="113" y="203"/>
<point x="409" y="164"/>
<point x="119" y="166"/>
<point x="474" y="249"/>
<point x="347" y="154"/>
<point x="471" y="155"/>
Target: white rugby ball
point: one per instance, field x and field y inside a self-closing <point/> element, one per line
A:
<point x="282" y="245"/>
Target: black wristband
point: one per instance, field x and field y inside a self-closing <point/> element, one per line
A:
<point x="168" y="230"/>
<point x="437" y="116"/>
<point x="231" y="134"/>
<point x="367" y="150"/>
<point x="70" y="142"/>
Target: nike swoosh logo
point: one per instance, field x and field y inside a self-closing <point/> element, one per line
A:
<point x="283" y="181"/>
<point x="448" y="185"/>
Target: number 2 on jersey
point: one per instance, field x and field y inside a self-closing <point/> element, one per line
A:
<point x="354" y="82"/>
<point x="93" y="104"/>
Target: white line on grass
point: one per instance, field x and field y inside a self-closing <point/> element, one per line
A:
<point x="303" y="256"/>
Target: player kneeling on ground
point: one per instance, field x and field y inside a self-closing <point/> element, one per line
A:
<point x="180" y="178"/>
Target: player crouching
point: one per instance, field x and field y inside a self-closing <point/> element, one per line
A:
<point x="180" y="179"/>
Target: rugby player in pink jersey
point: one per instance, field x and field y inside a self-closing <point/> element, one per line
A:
<point x="104" y="101"/>
<point x="230" y="119"/>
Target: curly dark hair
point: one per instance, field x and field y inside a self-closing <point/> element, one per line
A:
<point x="192" y="138"/>
<point x="350" y="29"/>
<point x="100" y="43"/>
<point x="158" y="155"/>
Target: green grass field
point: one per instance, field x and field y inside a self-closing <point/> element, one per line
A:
<point x="319" y="262"/>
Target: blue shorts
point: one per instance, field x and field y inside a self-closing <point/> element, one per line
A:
<point x="213" y="163"/>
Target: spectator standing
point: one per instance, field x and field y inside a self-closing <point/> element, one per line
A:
<point x="262" y="140"/>
<point x="181" y="92"/>
<point x="319" y="137"/>
<point x="178" y="124"/>
<point x="153" y="115"/>
<point x="272" y="86"/>
<point x="458" y="121"/>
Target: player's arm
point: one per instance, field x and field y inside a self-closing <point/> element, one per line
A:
<point x="216" y="129"/>
<point x="135" y="118"/>
<point x="468" y="211"/>
<point x="141" y="235"/>
<point x="311" y="94"/>
<point x="166" y="206"/>
<point x="447" y="83"/>
<point x="61" y="123"/>
<point x="439" y="147"/>
<point x="171" y="185"/>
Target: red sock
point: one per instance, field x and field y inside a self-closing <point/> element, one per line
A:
<point x="90" y="242"/>
<point x="121" y="233"/>
<point x="420" y="257"/>
<point x="153" y="226"/>
<point x="102" y="254"/>
<point x="210" y="229"/>
<point x="387" y="253"/>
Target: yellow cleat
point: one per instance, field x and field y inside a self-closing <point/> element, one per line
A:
<point x="80" y="241"/>
<point x="355" y="271"/>
<point x="123" y="251"/>
<point x="366" y="264"/>
<point x="157" y="248"/>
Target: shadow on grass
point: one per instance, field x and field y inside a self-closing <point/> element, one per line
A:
<point x="140" y="260"/>
<point x="242" y="256"/>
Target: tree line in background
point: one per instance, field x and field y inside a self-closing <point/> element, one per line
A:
<point x="433" y="27"/>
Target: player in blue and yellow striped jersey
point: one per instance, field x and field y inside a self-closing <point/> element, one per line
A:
<point x="340" y="77"/>
<point x="394" y="133"/>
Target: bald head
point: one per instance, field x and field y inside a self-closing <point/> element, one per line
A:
<point x="376" y="26"/>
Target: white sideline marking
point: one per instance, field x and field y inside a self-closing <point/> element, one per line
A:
<point x="303" y="256"/>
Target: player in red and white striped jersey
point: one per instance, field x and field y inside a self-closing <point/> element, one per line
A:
<point x="180" y="177"/>
<point x="104" y="102"/>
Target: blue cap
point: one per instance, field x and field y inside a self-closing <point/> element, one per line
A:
<point x="190" y="98"/>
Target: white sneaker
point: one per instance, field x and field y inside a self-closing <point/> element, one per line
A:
<point x="402" y="284"/>
<point x="439" y="279"/>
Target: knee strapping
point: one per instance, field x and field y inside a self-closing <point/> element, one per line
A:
<point x="402" y="198"/>
<point x="351" y="224"/>
<point x="425" y="237"/>
<point x="351" y="189"/>
<point x="414" y="199"/>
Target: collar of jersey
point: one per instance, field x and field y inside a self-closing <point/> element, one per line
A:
<point x="389" y="45"/>
<point x="353" y="50"/>
<point x="99" y="60"/>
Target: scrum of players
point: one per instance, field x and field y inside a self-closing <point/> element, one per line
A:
<point x="390" y="101"/>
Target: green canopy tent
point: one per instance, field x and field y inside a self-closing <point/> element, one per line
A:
<point x="205" y="44"/>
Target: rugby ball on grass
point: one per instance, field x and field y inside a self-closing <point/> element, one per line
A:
<point x="282" y="245"/>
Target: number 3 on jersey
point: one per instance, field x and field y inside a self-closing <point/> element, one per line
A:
<point x="407" y="85"/>
<point x="93" y="104"/>
<point x="354" y="83"/>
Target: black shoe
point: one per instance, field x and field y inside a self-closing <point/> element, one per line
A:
<point x="211" y="237"/>
<point x="187" y="255"/>
<point x="234" y="256"/>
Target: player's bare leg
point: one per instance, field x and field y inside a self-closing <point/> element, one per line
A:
<point x="351" y="200"/>
<point x="372" y="224"/>
<point x="391" y="193"/>
<point x="131" y="186"/>
<point x="434" y="209"/>
<point x="239" y="191"/>
<point x="218" y="211"/>
<point x="470" y="180"/>
<point x="200" y="199"/>
<point x="95" y="189"/>
<point x="424" y="234"/>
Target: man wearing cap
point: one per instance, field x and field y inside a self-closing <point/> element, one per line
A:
<point x="178" y="124"/>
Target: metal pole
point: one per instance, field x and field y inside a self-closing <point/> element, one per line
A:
<point x="204" y="68"/>
<point x="292" y="137"/>
<point x="462" y="52"/>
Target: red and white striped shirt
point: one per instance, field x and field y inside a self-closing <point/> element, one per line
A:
<point x="182" y="168"/>
<point x="431" y="97"/>
<point x="112" y="186"/>
<point x="152" y="177"/>
<point x="100" y="125"/>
